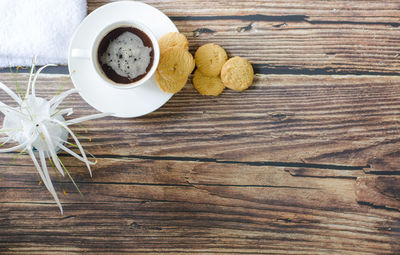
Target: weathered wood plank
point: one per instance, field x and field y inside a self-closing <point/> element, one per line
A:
<point x="113" y="176"/>
<point x="336" y="10"/>
<point x="325" y="173"/>
<point x="194" y="227"/>
<point x="136" y="205"/>
<point x="381" y="191"/>
<point x="340" y="120"/>
<point x="322" y="37"/>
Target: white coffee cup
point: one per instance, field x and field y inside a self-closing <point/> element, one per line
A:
<point x="91" y="53"/>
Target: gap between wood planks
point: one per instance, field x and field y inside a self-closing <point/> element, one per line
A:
<point x="249" y="163"/>
<point x="282" y="18"/>
<point x="258" y="69"/>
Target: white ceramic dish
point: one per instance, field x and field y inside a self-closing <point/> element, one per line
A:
<point x="125" y="103"/>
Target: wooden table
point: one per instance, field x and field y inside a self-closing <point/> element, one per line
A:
<point x="307" y="161"/>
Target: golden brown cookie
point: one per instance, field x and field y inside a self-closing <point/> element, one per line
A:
<point x="173" y="39"/>
<point x="207" y="85"/>
<point x="170" y="86"/>
<point x="210" y="58"/>
<point x="237" y="74"/>
<point x="176" y="64"/>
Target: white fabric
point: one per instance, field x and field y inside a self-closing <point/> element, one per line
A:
<point x="38" y="27"/>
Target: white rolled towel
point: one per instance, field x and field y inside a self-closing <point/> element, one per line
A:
<point x="38" y="27"/>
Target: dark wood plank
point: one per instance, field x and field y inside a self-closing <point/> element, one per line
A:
<point x="192" y="227"/>
<point x="117" y="175"/>
<point x="334" y="120"/>
<point x="294" y="37"/>
<point x="191" y="207"/>
<point x="383" y="191"/>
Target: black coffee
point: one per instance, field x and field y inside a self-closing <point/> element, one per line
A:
<point x="125" y="54"/>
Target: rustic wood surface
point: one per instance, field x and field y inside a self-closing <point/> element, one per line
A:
<point x="307" y="161"/>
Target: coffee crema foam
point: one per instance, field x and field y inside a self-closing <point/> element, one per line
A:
<point x="127" y="55"/>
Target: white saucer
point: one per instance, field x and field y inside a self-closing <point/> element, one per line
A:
<point x="125" y="103"/>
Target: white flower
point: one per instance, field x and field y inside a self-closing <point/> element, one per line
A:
<point x="39" y="128"/>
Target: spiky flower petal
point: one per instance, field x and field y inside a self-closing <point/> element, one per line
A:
<point x="39" y="128"/>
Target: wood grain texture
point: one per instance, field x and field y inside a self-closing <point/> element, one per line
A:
<point x="379" y="191"/>
<point x="196" y="207"/>
<point x="332" y="120"/>
<point x="135" y="171"/>
<point x="295" y="37"/>
<point x="304" y="162"/>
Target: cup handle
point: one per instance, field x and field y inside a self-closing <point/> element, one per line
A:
<point x="80" y="53"/>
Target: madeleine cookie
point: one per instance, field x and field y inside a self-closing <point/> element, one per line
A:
<point x="210" y="58"/>
<point x="176" y="64"/>
<point x="207" y="85"/>
<point x="237" y="74"/>
<point x="173" y="39"/>
<point x="169" y="86"/>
